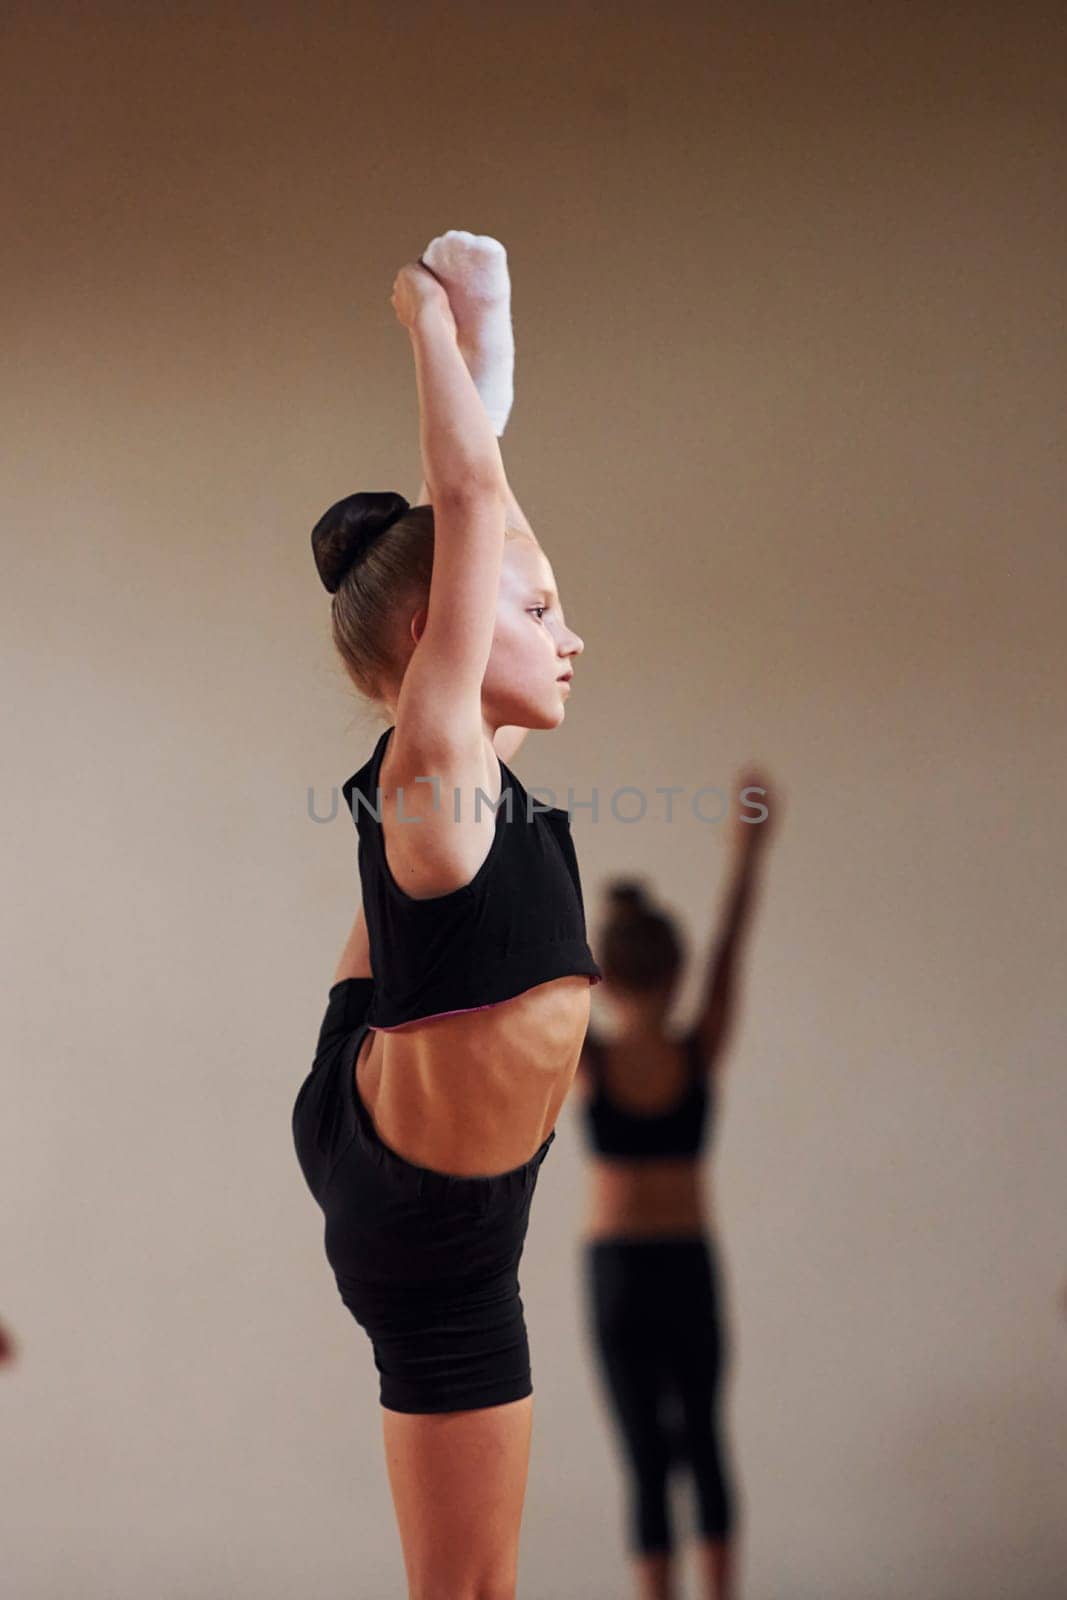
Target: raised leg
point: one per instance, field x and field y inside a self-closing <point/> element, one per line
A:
<point x="475" y="273"/>
<point x="474" y="270"/>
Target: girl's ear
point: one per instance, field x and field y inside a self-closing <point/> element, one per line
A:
<point x="418" y="623"/>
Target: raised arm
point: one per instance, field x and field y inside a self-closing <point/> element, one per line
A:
<point x="439" y="706"/>
<point x="508" y="739"/>
<point x="473" y="271"/>
<point x="718" y="1009"/>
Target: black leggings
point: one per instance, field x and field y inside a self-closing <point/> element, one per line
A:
<point x="654" y="1313"/>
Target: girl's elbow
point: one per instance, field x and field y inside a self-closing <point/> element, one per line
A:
<point x="471" y="487"/>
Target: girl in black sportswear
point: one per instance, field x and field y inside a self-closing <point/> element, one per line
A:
<point x="652" y="1284"/>
<point x="456" y="1017"/>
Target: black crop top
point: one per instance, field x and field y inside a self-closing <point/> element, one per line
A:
<point x="520" y="921"/>
<point x="679" y="1131"/>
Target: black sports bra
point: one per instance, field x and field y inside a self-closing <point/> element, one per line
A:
<point x="678" y="1131"/>
<point x="519" y="922"/>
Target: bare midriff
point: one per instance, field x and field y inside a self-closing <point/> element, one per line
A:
<point x="649" y="1198"/>
<point x="476" y="1093"/>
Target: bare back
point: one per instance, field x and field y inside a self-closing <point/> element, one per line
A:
<point x="477" y="1093"/>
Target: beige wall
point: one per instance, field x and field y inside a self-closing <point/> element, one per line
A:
<point x="788" y="285"/>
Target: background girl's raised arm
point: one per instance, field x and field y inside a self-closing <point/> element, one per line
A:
<point x="718" y="1008"/>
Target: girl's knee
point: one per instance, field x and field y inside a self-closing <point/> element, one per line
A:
<point x="485" y="1589"/>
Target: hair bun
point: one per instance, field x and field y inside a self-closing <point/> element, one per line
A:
<point x="348" y="529"/>
<point x="627" y="894"/>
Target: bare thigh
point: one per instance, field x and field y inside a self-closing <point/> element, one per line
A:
<point x="458" y="1481"/>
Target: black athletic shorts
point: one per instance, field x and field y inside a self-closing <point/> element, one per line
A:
<point x="426" y="1262"/>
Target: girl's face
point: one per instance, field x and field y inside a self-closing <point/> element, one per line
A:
<point x="532" y="646"/>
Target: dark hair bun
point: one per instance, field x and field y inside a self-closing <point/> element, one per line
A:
<point x="638" y="946"/>
<point x="627" y="895"/>
<point x="348" y="529"/>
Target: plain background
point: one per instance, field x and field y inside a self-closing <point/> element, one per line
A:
<point x="788" y="294"/>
